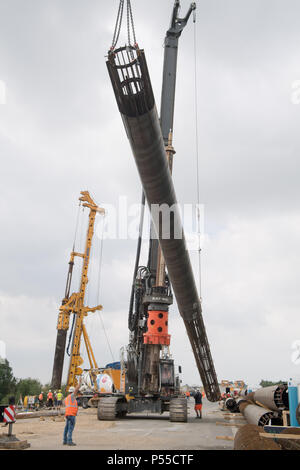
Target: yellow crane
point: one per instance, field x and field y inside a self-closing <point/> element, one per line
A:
<point x="75" y="304"/>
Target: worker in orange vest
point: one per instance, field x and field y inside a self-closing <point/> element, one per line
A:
<point x="41" y="399"/>
<point x="71" y="410"/>
<point x="50" y="399"/>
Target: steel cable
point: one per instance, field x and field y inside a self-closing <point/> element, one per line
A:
<point x="118" y="25"/>
<point x="197" y="156"/>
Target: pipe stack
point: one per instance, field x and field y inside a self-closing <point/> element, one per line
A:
<point x="265" y="405"/>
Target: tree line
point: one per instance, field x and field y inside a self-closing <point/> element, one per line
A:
<point x="268" y="383"/>
<point x="11" y="386"/>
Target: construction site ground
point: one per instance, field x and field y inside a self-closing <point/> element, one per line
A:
<point x="215" y="431"/>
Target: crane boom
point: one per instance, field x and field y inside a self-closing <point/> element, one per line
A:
<point x="167" y="107"/>
<point x="170" y="69"/>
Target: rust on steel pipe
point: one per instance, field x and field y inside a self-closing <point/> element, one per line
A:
<point x="133" y="91"/>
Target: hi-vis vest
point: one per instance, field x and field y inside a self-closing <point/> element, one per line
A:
<point x="71" y="406"/>
<point x="50" y="395"/>
<point x="41" y="397"/>
<point x="59" y="396"/>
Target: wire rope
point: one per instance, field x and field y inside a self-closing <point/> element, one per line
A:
<point x="197" y="157"/>
<point x="101" y="240"/>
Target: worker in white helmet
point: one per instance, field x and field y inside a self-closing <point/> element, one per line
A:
<point x="50" y="399"/>
<point x="71" y="410"/>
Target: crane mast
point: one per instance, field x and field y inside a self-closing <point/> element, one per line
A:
<point x="156" y="261"/>
<point x="75" y="304"/>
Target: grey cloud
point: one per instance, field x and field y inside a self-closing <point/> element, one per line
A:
<point x="60" y="132"/>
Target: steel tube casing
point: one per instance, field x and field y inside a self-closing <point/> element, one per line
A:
<point x="257" y="415"/>
<point x="59" y="359"/>
<point x="239" y="401"/>
<point x="135" y="99"/>
<point x="274" y="397"/>
<point x="231" y="404"/>
<point x="148" y="149"/>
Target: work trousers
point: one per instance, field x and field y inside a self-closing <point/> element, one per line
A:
<point x="69" y="427"/>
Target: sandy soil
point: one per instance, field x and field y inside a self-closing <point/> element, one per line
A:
<point x="134" y="432"/>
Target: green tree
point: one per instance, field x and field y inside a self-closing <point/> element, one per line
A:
<point x="7" y="381"/>
<point x="28" y="387"/>
<point x="268" y="383"/>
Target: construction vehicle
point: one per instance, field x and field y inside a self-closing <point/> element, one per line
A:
<point x="103" y="382"/>
<point x="74" y="304"/>
<point x="150" y="380"/>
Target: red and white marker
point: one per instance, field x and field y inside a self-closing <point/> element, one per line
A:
<point x="9" y="414"/>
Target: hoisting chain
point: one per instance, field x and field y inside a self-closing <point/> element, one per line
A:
<point x="130" y="20"/>
<point x="118" y="26"/>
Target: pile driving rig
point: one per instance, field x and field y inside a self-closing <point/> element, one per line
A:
<point x="74" y="304"/>
<point x="150" y="382"/>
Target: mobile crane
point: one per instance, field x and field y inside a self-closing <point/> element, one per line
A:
<point x="75" y="304"/>
<point x="150" y="382"/>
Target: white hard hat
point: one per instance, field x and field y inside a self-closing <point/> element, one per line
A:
<point x="71" y="389"/>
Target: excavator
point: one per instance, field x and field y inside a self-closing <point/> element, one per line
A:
<point x="151" y="384"/>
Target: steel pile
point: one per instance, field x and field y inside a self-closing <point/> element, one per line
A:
<point x="133" y="91"/>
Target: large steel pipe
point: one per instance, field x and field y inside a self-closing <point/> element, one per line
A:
<point x="231" y="404"/>
<point x="274" y="397"/>
<point x="131" y="83"/>
<point x="239" y="401"/>
<point x="59" y="359"/>
<point x="259" y="416"/>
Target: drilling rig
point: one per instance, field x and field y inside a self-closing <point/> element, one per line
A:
<point x="74" y="304"/>
<point x="150" y="382"/>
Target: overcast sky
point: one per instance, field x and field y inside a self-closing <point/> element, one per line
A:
<point x="61" y="132"/>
